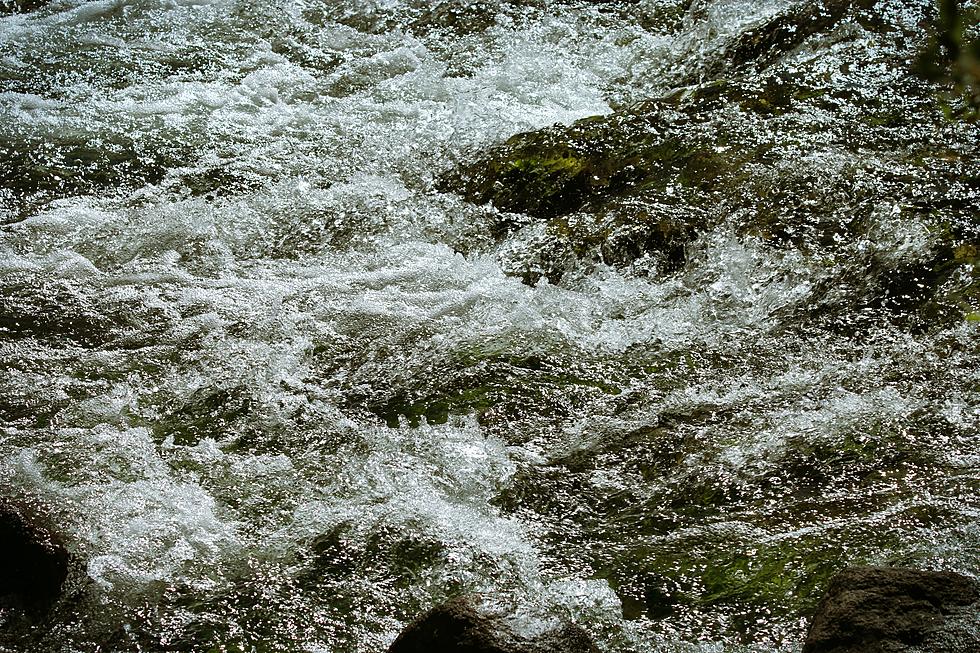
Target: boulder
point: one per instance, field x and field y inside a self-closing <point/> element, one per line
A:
<point x="34" y="562"/>
<point x="459" y="626"/>
<point x="891" y="610"/>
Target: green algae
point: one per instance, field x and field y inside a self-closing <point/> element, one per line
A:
<point x="208" y="413"/>
<point x="496" y="389"/>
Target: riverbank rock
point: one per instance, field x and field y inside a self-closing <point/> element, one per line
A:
<point x="885" y="610"/>
<point x="459" y="626"/>
<point x="34" y="562"/>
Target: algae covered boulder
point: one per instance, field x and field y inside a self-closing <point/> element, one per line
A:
<point x="876" y="609"/>
<point x="778" y="153"/>
<point x="612" y="188"/>
<point x="559" y="170"/>
<point x="456" y="16"/>
<point x="460" y="626"/>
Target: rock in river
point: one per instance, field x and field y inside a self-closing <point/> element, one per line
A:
<point x="891" y="610"/>
<point x="34" y="563"/>
<point x="459" y="626"/>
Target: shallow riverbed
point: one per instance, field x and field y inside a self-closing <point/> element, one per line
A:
<point x="283" y="390"/>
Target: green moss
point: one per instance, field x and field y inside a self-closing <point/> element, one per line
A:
<point x="560" y="170"/>
<point x="562" y="166"/>
<point x="208" y="413"/>
<point x="749" y="582"/>
<point x="495" y="388"/>
<point x="790" y="575"/>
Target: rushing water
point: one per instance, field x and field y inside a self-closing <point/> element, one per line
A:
<point x="280" y="395"/>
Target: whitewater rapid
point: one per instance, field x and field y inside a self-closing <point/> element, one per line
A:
<point x="219" y="336"/>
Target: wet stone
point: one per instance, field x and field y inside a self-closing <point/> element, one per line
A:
<point x="788" y="30"/>
<point x="875" y="609"/>
<point x="35" y="563"/>
<point x="458" y="626"/>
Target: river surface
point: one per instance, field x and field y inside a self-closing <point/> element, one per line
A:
<point x="280" y="393"/>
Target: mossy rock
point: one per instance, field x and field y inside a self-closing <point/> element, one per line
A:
<point x="762" y="44"/>
<point x="743" y="578"/>
<point x="497" y="389"/>
<point x="656" y="230"/>
<point x="685" y="533"/>
<point x="208" y="413"/>
<point x="457" y="16"/>
<point x="643" y="183"/>
<point x="939" y="291"/>
<point x="52" y="311"/>
<point x="559" y="170"/>
<point x="35" y="171"/>
<point x="390" y="551"/>
<point x="611" y="188"/>
<point x="221" y="181"/>
<point x="243" y="614"/>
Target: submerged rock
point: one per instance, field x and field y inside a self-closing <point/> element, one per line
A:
<point x="458" y="17"/>
<point x="458" y="626"/>
<point x="34" y="562"/>
<point x="34" y="171"/>
<point x="875" y="609"/>
<point x="788" y="30"/>
<point x="20" y="6"/>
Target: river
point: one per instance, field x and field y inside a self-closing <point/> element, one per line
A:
<point x="281" y="390"/>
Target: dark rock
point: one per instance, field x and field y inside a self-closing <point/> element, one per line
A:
<point x="457" y="17"/>
<point x="788" y="30"/>
<point x="557" y="171"/>
<point x="37" y="170"/>
<point x="885" y="610"/>
<point x="458" y="626"/>
<point x="35" y="562"/>
<point x="610" y="188"/>
<point x="20" y="6"/>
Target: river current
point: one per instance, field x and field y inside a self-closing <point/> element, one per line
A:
<point x="280" y="392"/>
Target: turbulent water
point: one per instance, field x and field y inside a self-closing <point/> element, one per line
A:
<point x="279" y="392"/>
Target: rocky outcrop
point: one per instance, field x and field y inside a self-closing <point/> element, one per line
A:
<point x="648" y="148"/>
<point x="34" y="562"/>
<point x="459" y="626"/>
<point x="753" y="153"/>
<point x="887" y="610"/>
